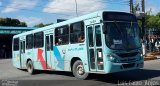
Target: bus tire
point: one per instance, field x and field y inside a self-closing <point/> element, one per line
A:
<point x="30" y="67"/>
<point x="78" y="70"/>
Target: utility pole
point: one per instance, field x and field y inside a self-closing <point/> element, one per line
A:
<point x="143" y="18"/>
<point x="76" y="7"/>
<point x="143" y="28"/>
<point x="131" y="6"/>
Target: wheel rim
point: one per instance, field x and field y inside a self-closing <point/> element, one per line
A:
<point x="29" y="67"/>
<point x="80" y="69"/>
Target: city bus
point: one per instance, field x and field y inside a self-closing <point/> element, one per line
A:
<point x="100" y="42"/>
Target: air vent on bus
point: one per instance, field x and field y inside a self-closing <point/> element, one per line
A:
<point x="127" y="54"/>
<point x="128" y="60"/>
<point x="128" y="65"/>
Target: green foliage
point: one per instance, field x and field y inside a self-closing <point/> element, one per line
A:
<point x="153" y="21"/>
<point x="11" y="22"/>
<point x="158" y="14"/>
<point x="42" y="25"/>
<point x="39" y="25"/>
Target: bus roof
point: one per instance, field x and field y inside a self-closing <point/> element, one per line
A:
<point x="76" y="19"/>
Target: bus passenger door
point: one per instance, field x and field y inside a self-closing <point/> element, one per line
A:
<point x="22" y="53"/>
<point x="95" y="47"/>
<point x="49" y="51"/>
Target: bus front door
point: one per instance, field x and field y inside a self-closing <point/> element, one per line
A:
<point x="95" y="47"/>
<point x="22" y="53"/>
<point x="49" y="51"/>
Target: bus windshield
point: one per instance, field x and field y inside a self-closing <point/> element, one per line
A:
<point x="122" y="35"/>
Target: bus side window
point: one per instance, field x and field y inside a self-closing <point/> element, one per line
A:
<point x="51" y="38"/>
<point x="62" y="35"/>
<point x="81" y="37"/>
<point x="16" y="44"/>
<point x="29" y="41"/>
<point x="38" y="40"/>
<point x="77" y="32"/>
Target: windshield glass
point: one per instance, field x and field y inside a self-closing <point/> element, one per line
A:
<point x="122" y="35"/>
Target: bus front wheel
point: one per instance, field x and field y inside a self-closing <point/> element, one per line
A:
<point x="30" y="67"/>
<point x="78" y="70"/>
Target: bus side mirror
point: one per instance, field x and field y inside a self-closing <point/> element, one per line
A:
<point x="104" y="29"/>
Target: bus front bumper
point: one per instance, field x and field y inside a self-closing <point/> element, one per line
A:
<point x="118" y="67"/>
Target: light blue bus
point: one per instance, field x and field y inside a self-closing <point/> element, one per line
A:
<point x="100" y="42"/>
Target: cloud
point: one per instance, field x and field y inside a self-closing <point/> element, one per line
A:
<point x="152" y="6"/>
<point x="31" y="21"/>
<point x="16" y="5"/>
<point x="69" y="6"/>
<point x="153" y="10"/>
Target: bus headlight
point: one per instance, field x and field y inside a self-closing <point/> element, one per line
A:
<point x="141" y="57"/>
<point x="141" y="53"/>
<point x="112" y="58"/>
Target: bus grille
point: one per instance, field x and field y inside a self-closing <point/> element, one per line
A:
<point x="127" y="54"/>
<point x="129" y="60"/>
<point x="128" y="65"/>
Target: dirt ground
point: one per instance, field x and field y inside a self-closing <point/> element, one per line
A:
<point x="151" y="56"/>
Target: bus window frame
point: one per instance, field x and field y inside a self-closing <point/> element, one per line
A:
<point x="59" y="41"/>
<point x="31" y="41"/>
<point x="17" y="43"/>
<point x="40" y="36"/>
<point x="79" y="32"/>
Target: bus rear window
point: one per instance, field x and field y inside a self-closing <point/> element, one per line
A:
<point x="16" y="44"/>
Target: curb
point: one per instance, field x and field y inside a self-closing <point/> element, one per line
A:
<point x="149" y="58"/>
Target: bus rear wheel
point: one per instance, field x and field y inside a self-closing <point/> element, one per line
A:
<point x="78" y="70"/>
<point x="30" y="67"/>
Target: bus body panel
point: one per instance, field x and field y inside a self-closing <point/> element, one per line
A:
<point x="123" y="63"/>
<point x="16" y="59"/>
<point x="64" y="54"/>
<point x="78" y="50"/>
<point x="38" y="60"/>
<point x="29" y="55"/>
<point x="60" y="56"/>
<point x="118" y="67"/>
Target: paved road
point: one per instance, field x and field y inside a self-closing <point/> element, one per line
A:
<point x="151" y="71"/>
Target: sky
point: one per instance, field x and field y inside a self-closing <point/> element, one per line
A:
<point x="48" y="11"/>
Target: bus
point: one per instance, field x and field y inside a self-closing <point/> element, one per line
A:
<point x="100" y="42"/>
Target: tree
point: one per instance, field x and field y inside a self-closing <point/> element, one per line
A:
<point x="11" y="22"/>
<point x="42" y="25"/>
<point x="23" y="24"/>
<point x="158" y="14"/>
<point x="153" y="21"/>
<point x="39" y="25"/>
